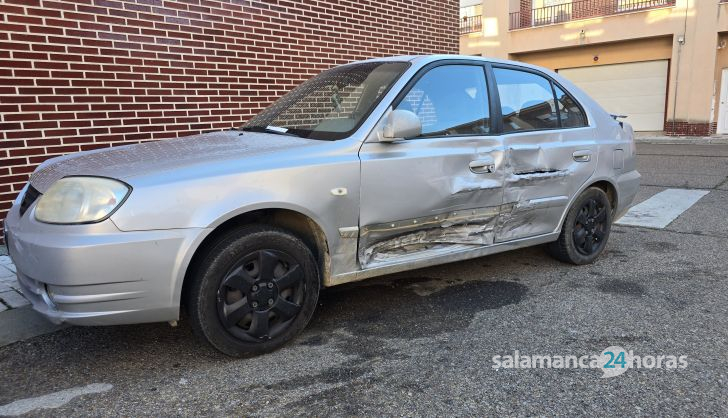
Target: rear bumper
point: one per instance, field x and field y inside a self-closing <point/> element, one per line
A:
<point x="628" y="184"/>
<point x="96" y="274"/>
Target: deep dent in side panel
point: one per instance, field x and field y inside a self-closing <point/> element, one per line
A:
<point x="522" y="212"/>
<point x="463" y="210"/>
<point x="538" y="180"/>
<point x="387" y="243"/>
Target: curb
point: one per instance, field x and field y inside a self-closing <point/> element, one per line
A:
<point x="18" y="320"/>
<point x="682" y="140"/>
<point x="23" y="323"/>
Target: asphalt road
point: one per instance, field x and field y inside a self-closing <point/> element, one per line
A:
<point x="422" y="342"/>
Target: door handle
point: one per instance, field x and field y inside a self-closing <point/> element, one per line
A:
<point x="483" y="166"/>
<point x="582" y="156"/>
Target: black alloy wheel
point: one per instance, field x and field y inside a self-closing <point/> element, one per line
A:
<point x="586" y="228"/>
<point x="254" y="290"/>
<point x="261" y="295"/>
<point x="590" y="227"/>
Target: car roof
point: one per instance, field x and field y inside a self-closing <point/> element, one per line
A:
<point x="426" y="59"/>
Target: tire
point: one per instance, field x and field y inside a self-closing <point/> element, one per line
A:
<point x="255" y="290"/>
<point x="586" y="229"/>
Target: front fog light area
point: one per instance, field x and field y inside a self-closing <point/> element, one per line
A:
<point x="74" y="200"/>
<point x="47" y="296"/>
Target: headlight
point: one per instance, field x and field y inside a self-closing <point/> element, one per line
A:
<point x="74" y="200"/>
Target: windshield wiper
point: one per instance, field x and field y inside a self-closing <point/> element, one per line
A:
<point x="268" y="129"/>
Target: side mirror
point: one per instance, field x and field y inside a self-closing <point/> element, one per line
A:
<point x="401" y="124"/>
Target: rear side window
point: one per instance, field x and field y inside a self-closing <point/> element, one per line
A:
<point x="450" y="100"/>
<point x="571" y="114"/>
<point x="527" y="101"/>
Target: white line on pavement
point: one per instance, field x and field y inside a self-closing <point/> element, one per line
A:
<point x="662" y="208"/>
<point x="51" y="400"/>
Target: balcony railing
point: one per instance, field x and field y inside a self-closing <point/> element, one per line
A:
<point x="581" y="9"/>
<point x="469" y="24"/>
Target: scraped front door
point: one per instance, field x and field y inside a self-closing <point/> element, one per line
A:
<point x="441" y="191"/>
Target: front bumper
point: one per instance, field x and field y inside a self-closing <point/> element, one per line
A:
<point x="96" y="274"/>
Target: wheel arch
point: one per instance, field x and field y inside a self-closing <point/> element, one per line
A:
<point x="610" y="189"/>
<point x="607" y="185"/>
<point x="298" y="223"/>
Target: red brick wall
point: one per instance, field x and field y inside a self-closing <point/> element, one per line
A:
<point x="84" y="74"/>
<point x="525" y="8"/>
<point x="680" y="128"/>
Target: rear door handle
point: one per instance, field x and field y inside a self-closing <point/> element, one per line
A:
<point x="582" y="156"/>
<point x="486" y="165"/>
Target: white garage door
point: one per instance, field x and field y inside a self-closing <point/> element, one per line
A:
<point x="637" y="90"/>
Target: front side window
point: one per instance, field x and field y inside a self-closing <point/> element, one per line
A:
<point x="527" y="101"/>
<point x="332" y="105"/>
<point x="450" y="100"/>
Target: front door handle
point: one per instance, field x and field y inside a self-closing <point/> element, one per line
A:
<point x="582" y="156"/>
<point x="483" y="166"/>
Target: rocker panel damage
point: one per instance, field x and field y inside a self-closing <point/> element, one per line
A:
<point x="383" y="243"/>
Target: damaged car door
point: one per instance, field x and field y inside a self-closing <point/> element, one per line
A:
<point x="441" y="190"/>
<point x="550" y="151"/>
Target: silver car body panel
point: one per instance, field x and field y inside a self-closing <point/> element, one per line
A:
<point x="432" y="199"/>
<point x="381" y="207"/>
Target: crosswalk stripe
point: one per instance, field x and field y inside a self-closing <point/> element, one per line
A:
<point x="662" y="208"/>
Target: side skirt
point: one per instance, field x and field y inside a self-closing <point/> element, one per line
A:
<point x="446" y="255"/>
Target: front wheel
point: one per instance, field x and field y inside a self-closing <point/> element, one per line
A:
<point x="255" y="290"/>
<point x="586" y="229"/>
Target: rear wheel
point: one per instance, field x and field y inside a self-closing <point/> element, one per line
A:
<point x="586" y="229"/>
<point x="255" y="290"/>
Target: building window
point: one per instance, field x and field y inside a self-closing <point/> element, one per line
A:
<point x="546" y="12"/>
<point x="470" y="11"/>
<point x="471" y="19"/>
<point x="632" y="5"/>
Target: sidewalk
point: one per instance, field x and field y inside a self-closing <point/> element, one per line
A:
<point x="10" y="296"/>
<point x="696" y="140"/>
<point x="18" y="320"/>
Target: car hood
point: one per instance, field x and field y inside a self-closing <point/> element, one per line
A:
<point x="129" y="161"/>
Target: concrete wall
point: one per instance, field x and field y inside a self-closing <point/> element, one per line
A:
<point x="649" y="49"/>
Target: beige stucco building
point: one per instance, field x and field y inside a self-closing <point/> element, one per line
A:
<point x="664" y="63"/>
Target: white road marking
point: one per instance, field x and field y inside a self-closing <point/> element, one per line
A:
<point x="662" y="208"/>
<point x="51" y="400"/>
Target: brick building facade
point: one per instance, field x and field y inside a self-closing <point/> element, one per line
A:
<point x="83" y="74"/>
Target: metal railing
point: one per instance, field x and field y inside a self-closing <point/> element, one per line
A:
<point x="470" y="24"/>
<point x="581" y="9"/>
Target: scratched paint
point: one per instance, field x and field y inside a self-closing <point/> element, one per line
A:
<point x="395" y="241"/>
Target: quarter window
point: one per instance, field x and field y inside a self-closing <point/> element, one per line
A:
<point x="450" y="100"/>
<point x="571" y="114"/>
<point x="527" y="101"/>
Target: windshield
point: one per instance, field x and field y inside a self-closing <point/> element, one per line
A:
<point x="332" y="105"/>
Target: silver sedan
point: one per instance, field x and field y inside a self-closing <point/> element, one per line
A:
<point x="367" y="169"/>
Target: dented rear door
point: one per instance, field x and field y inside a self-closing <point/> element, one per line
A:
<point x="550" y="151"/>
<point x="439" y="192"/>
